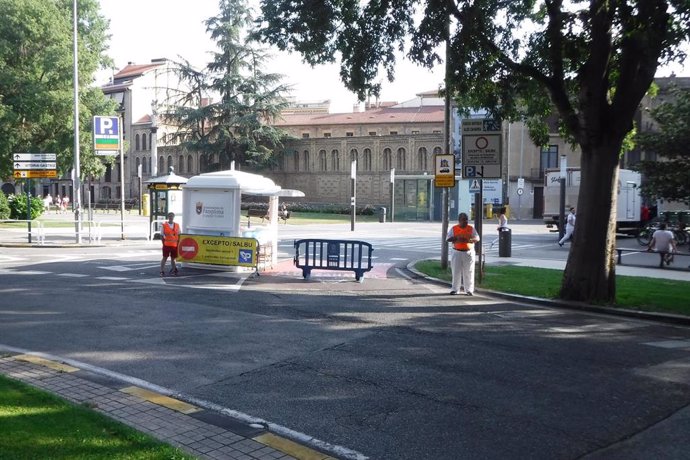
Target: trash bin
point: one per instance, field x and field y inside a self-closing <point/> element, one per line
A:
<point x="504" y="242"/>
<point x="382" y="215"/>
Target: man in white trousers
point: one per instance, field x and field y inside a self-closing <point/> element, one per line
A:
<point x="569" y="227"/>
<point x="463" y="236"/>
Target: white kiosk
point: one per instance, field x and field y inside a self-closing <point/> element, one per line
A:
<point x="212" y="232"/>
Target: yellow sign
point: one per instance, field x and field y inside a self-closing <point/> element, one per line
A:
<point x="218" y="250"/>
<point x="444" y="170"/>
<point x="36" y="174"/>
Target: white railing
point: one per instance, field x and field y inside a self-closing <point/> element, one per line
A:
<point x="63" y="231"/>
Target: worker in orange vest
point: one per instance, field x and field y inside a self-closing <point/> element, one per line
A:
<point x="463" y="236"/>
<point x="170" y="231"/>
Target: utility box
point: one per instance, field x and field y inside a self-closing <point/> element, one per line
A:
<point x="504" y="242"/>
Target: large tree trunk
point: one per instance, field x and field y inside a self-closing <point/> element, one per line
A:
<point x="590" y="273"/>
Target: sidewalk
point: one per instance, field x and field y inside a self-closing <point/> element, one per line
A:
<point x="199" y="431"/>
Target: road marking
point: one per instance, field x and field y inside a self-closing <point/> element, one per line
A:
<point x="670" y="344"/>
<point x="161" y="400"/>
<point x="112" y="278"/>
<point x="30" y="272"/>
<point x="72" y="275"/>
<point x="289" y="447"/>
<point x="46" y="363"/>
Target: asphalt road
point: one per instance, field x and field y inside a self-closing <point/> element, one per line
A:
<point x="392" y="368"/>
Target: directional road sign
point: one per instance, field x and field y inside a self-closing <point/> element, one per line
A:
<point x="36" y="174"/>
<point x="34" y="157"/>
<point x="35" y="165"/>
<point x="106" y="135"/>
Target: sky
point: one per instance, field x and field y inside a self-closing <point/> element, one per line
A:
<point x="142" y="30"/>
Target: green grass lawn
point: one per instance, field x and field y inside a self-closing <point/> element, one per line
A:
<point x="303" y="218"/>
<point x="646" y="294"/>
<point x="37" y="425"/>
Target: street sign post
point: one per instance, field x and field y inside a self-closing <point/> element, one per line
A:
<point x="444" y="171"/>
<point x="481" y="149"/>
<point x="106" y="135"/>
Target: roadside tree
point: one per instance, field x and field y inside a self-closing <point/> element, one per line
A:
<point x="589" y="62"/>
<point x="228" y="110"/>
<point x="36" y="79"/>
<point x="668" y="178"/>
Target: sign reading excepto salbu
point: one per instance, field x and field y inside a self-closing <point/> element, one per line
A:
<point x="218" y="250"/>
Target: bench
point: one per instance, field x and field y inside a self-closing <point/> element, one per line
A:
<point x="661" y="255"/>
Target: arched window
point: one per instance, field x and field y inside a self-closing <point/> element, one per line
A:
<point x="366" y="166"/>
<point x="180" y="164"/>
<point x="151" y="170"/>
<point x="144" y="165"/>
<point x="323" y="164"/>
<point x="295" y="161"/>
<point x="136" y="142"/>
<point x="137" y="162"/>
<point x="354" y="156"/>
<point x="150" y="143"/>
<point x="422" y="162"/>
<point x="143" y="142"/>
<point x="190" y="165"/>
<point x="335" y="160"/>
<point x="400" y="159"/>
<point x="387" y="159"/>
<point x="161" y="165"/>
<point x="170" y="164"/>
<point x="305" y="160"/>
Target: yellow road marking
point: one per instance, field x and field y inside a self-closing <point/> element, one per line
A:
<point x="46" y="363"/>
<point x="161" y="400"/>
<point x="291" y="448"/>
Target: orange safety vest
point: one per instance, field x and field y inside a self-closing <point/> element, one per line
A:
<point x="466" y="232"/>
<point x="171" y="234"/>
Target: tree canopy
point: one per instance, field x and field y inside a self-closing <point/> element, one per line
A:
<point x="668" y="178"/>
<point x="36" y="82"/>
<point x="589" y="62"/>
<point x="228" y="112"/>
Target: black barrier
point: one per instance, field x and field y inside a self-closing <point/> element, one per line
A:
<point x="320" y="254"/>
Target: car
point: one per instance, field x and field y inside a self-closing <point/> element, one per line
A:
<point x="444" y="170"/>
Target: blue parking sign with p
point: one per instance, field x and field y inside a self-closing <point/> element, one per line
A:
<point x="106" y="134"/>
<point x="107" y="126"/>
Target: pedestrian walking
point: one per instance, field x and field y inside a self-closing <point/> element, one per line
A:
<point x="569" y="227"/>
<point x="502" y="224"/>
<point x="171" y="236"/>
<point x="463" y="236"/>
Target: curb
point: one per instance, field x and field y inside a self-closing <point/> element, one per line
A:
<point x="668" y="318"/>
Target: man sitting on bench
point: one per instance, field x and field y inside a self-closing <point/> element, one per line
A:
<point x="663" y="242"/>
<point x="283" y="213"/>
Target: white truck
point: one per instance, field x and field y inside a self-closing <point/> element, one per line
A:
<point x="629" y="201"/>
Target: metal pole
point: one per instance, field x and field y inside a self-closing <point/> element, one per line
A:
<point x="392" y="186"/>
<point x="77" y="171"/>
<point x="478" y="220"/>
<point x="353" y="199"/>
<point x="154" y="140"/>
<point x="563" y="173"/>
<point x="28" y="207"/>
<point x="446" y="141"/>
<point x="122" y="180"/>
